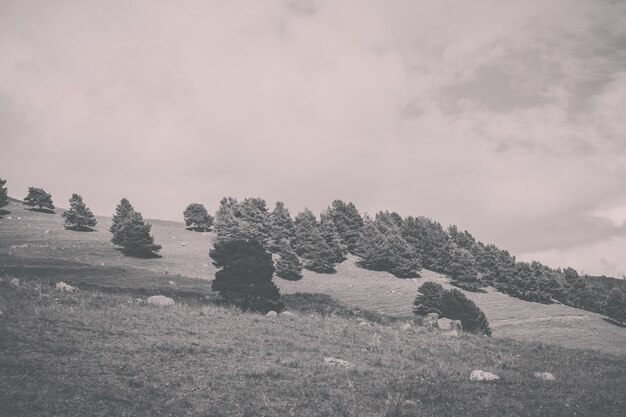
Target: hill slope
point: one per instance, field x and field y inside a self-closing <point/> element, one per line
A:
<point x="26" y="236"/>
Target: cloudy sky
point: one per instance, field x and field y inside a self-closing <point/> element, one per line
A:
<point x="507" y="118"/>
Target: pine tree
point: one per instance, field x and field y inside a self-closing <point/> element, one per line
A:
<point x="4" y="197"/>
<point x="281" y="226"/>
<point x="429" y="299"/>
<point x="463" y="267"/>
<point x="311" y="246"/>
<point x="456" y="306"/>
<point x="616" y="305"/>
<point x="134" y="236"/>
<point x="288" y="265"/>
<point x="348" y="223"/>
<point x="227" y="220"/>
<point x="245" y="275"/>
<point x="78" y="216"/>
<point x="38" y="197"/>
<point x="254" y="220"/>
<point x="123" y="210"/>
<point x="332" y="237"/>
<point x="197" y="218"/>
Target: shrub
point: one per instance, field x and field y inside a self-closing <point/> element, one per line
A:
<point x="429" y="299"/>
<point x="245" y="275"/>
<point x="616" y="305"/>
<point x="78" y="216"/>
<point x="4" y="197"/>
<point x="197" y="218"/>
<point x="38" y="197"/>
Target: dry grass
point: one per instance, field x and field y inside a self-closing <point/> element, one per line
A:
<point x="91" y="353"/>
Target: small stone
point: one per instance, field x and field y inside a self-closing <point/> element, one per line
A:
<point x="15" y="282"/>
<point x="172" y="283"/>
<point x="161" y="300"/>
<point x="288" y="314"/>
<point x="337" y="362"/>
<point x="183" y="244"/>
<point x="546" y="376"/>
<point x="483" y="376"/>
<point x="62" y="286"/>
<point x="47" y="232"/>
<point x="430" y="321"/>
<point x="271" y="313"/>
<point x="405" y="327"/>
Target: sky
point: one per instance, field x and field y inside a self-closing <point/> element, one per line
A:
<point x="506" y="118"/>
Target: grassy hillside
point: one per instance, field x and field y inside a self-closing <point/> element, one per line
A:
<point x="36" y="243"/>
<point x="91" y="353"/>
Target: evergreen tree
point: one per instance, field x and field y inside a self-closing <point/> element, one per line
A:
<point x="429" y="299"/>
<point x="462" y="267"/>
<point x="245" y="275"/>
<point x="133" y="234"/>
<point x="616" y="305"/>
<point x="78" y="216"/>
<point x="288" y="265"/>
<point x="348" y="223"/>
<point x="197" y="218"/>
<point x="123" y="210"/>
<point x="38" y="197"/>
<point x="227" y="222"/>
<point x="332" y="237"/>
<point x="311" y="246"/>
<point x="254" y="220"/>
<point x="281" y="226"/>
<point x="456" y="306"/>
<point x="4" y="197"/>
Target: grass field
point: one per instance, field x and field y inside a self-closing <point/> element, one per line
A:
<point x="99" y="352"/>
<point x="28" y="239"/>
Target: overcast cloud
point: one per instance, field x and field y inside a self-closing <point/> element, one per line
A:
<point x="506" y="118"/>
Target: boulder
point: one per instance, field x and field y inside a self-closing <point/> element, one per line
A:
<point x="62" y="286"/>
<point x="161" y="300"/>
<point x="430" y="321"/>
<point x="15" y="282"/>
<point x="545" y="376"/>
<point x="449" y="325"/>
<point x="484" y="376"/>
<point x="288" y="314"/>
<point x="337" y="362"/>
<point x="271" y="313"/>
<point x="405" y="327"/>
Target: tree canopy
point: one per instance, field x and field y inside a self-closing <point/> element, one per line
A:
<point x="78" y="216"/>
<point x="38" y="197"/>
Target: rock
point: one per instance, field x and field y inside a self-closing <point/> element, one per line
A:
<point x="161" y="300"/>
<point x="546" y="376"/>
<point x="363" y="323"/>
<point x="271" y="313"/>
<point x="337" y="362"/>
<point x="15" y="282"/>
<point x="478" y="375"/>
<point x="405" y="327"/>
<point x="183" y="244"/>
<point x="447" y="324"/>
<point x="450" y="333"/>
<point x="408" y="407"/>
<point x="430" y="321"/>
<point x="288" y="314"/>
<point x="62" y="286"/>
<point x="47" y="232"/>
<point x="172" y="283"/>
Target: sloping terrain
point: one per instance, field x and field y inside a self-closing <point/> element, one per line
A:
<point x="30" y="237"/>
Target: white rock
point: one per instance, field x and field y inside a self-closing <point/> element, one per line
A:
<point x="447" y="324"/>
<point x="288" y="314"/>
<point x="47" y="232"/>
<point x="478" y="375"/>
<point x="172" y="283"/>
<point x="271" y="313"/>
<point x="161" y="300"/>
<point x="546" y="376"/>
<point x="430" y="321"/>
<point x="337" y="362"/>
<point x="62" y="286"/>
<point x="405" y="327"/>
<point x="15" y="282"/>
<point x="183" y="244"/>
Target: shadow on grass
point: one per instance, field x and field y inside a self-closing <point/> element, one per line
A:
<point x="80" y="229"/>
<point x="4" y="212"/>
<point x="139" y="254"/>
<point x="615" y="323"/>
<point x="42" y="210"/>
<point x="197" y="229"/>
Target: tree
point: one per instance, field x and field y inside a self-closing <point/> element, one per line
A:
<point x="254" y="220"/>
<point x="616" y="305"/>
<point x="133" y="234"/>
<point x="288" y="265"/>
<point x="197" y="217"/>
<point x="227" y="222"/>
<point x="245" y="275"/>
<point x="4" y="197"/>
<point x="281" y="226"/>
<point x="348" y="223"/>
<point x="38" y="197"/>
<point x="311" y="246"/>
<point x="429" y="299"/>
<point x="122" y="212"/>
<point x="78" y="216"/>
<point x="332" y="238"/>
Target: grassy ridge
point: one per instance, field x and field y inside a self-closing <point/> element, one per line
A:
<point x="91" y="353"/>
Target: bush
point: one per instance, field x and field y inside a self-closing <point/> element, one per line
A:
<point x="78" y="216"/>
<point x="245" y="275"/>
<point x="452" y="304"/>
<point x="197" y="218"/>
<point x="4" y="197"/>
<point x="616" y="305"/>
<point x="38" y="197"/>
